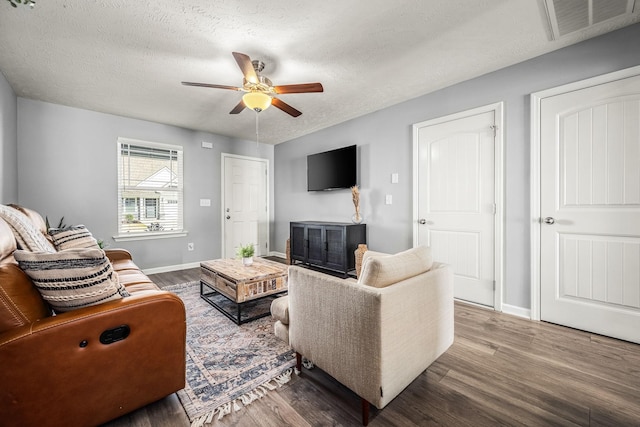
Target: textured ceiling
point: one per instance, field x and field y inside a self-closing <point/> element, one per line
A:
<point x="129" y="57"/>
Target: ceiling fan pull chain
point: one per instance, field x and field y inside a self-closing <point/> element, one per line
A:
<point x="257" y="132"/>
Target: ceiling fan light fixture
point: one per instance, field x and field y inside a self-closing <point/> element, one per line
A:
<point x="257" y="101"/>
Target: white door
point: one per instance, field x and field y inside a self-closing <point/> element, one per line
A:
<point x="245" y="204"/>
<point x="590" y="209"/>
<point x="456" y="200"/>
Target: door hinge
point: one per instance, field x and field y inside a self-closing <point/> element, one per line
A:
<point x="495" y="208"/>
<point x="494" y="285"/>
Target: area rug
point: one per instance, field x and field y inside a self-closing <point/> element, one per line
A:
<point x="228" y="366"/>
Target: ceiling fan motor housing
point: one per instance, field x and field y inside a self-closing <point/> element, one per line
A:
<point x="263" y="85"/>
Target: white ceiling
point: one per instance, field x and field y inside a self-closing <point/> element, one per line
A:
<point x="129" y="57"/>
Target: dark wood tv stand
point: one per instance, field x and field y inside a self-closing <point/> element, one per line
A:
<point x="326" y="245"/>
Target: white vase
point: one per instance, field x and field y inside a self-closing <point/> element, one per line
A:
<point x="247" y="260"/>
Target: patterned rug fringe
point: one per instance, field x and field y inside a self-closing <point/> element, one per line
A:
<point x="245" y="399"/>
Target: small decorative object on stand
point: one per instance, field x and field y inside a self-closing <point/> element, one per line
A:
<point x="246" y="253"/>
<point x="355" y="195"/>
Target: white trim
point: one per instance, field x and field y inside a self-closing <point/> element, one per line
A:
<point x="160" y="145"/>
<point x="150" y="235"/>
<point x="534" y="218"/>
<point x="536" y="99"/>
<point x="225" y="156"/>
<point x="278" y="254"/>
<point x="499" y="166"/>
<point x="170" y="268"/>
<point x="514" y="310"/>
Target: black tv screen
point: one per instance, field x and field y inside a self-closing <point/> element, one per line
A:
<point x="332" y="170"/>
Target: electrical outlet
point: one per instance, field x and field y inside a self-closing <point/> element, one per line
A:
<point x="388" y="199"/>
<point x="190" y="246"/>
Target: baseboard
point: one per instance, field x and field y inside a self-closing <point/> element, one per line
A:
<point x="514" y="310"/>
<point x="278" y="254"/>
<point x="169" y="268"/>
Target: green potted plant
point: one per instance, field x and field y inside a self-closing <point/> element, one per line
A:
<point x="246" y="253"/>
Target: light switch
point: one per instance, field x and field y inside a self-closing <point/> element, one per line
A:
<point x="206" y="144"/>
<point x="205" y="202"/>
<point x="388" y="199"/>
<point x="394" y="178"/>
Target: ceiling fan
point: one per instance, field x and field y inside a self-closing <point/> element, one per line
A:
<point x="260" y="92"/>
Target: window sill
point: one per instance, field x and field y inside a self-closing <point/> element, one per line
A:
<point x="150" y="235"/>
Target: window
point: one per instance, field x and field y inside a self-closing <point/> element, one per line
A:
<point x="151" y="208"/>
<point x="150" y="197"/>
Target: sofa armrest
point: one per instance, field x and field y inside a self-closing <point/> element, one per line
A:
<point x="57" y="370"/>
<point x="118" y="254"/>
<point x="375" y="341"/>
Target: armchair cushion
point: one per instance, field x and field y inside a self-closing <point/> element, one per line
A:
<point x="75" y="236"/>
<point x="28" y="236"/>
<point x="381" y="270"/>
<point x="72" y="278"/>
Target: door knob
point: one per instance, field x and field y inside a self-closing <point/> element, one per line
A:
<point x="228" y="217"/>
<point x="422" y="221"/>
<point x="549" y="220"/>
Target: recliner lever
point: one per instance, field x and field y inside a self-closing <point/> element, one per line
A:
<point x="116" y="334"/>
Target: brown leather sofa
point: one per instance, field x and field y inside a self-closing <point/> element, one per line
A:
<point x="54" y="369"/>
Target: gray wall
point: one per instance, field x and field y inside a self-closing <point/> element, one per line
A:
<point x="384" y="139"/>
<point x="8" y="143"/>
<point x="67" y="167"/>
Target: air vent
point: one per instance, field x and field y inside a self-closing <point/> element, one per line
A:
<point x="569" y="16"/>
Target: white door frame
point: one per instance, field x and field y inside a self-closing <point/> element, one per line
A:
<point x="223" y="194"/>
<point x="498" y="109"/>
<point x="535" y="220"/>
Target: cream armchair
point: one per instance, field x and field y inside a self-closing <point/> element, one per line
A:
<point x="376" y="335"/>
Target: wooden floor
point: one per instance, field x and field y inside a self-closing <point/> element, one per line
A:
<point x="501" y="370"/>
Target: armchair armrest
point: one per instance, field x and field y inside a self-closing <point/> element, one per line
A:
<point x="375" y="341"/>
<point x="62" y="356"/>
<point x="118" y="254"/>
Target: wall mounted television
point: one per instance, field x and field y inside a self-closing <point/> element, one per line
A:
<point x="332" y="170"/>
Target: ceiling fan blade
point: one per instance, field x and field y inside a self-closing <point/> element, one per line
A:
<point x="244" y="62"/>
<point x="211" y="85"/>
<point x="299" y="88"/>
<point x="285" y="107"/>
<point x="238" y="108"/>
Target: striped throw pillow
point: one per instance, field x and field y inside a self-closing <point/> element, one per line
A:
<point x="75" y="236"/>
<point x="27" y="235"/>
<point x="72" y="278"/>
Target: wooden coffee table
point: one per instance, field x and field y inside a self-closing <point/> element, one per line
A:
<point x="241" y="284"/>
